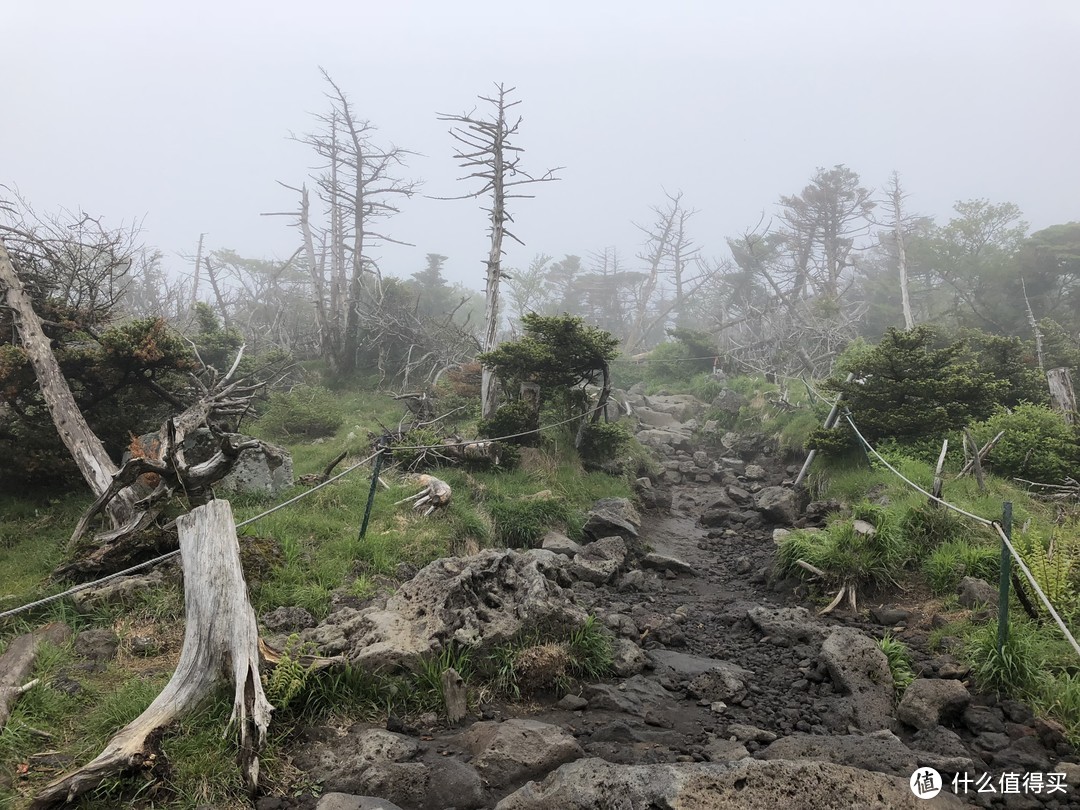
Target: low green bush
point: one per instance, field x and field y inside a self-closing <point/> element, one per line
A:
<point x="512" y="419"/>
<point x="603" y="442"/>
<point x="926" y="527"/>
<point x="1038" y="444"/>
<point x="305" y="412"/>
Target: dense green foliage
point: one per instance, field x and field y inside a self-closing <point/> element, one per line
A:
<point x="1038" y="444"/>
<point x="302" y="412"/>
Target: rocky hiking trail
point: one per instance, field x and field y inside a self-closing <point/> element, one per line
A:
<point x="730" y="693"/>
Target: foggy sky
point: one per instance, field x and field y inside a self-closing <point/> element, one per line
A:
<point x="179" y="114"/>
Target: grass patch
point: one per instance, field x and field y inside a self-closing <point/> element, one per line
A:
<point x="950" y="562"/>
<point x="899" y="663"/>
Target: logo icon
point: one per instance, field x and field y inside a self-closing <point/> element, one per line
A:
<point x="925" y="783"/>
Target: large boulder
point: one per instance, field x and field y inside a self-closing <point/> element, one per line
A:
<point x="482" y="600"/>
<point x="637" y="696"/>
<point x="973" y="592"/>
<point x="882" y="752"/>
<point x="927" y="701"/>
<point x="658" y="419"/>
<point x="613" y="516"/>
<point x="860" y="669"/>
<point x="786" y="627"/>
<point x="656" y="437"/>
<point x="729" y="401"/>
<point x="599" y="562"/>
<point x="746" y="784"/>
<point x="518" y="749"/>
<point x="709" y="678"/>
<point x="778" y="505"/>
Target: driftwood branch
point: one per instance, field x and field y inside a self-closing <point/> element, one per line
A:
<point x="986" y="448"/>
<point x="221" y="637"/>
<point x="436" y="493"/>
<point x="17" y="664"/>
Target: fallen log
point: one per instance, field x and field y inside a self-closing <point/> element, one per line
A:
<point x="17" y="664"/>
<point x="221" y="636"/>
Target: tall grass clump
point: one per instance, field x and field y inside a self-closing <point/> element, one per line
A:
<point x="899" y="657"/>
<point x="304" y="412"/>
<point x="1018" y="669"/>
<point x="950" y="562"/>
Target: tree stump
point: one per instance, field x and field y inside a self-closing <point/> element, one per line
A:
<point x="221" y="636"/>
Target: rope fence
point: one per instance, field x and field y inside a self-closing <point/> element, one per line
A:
<point x="994" y="524"/>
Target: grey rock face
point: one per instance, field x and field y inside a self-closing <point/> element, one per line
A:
<point x="860" y="669"/>
<point x="778" y="504"/>
<point x="974" y="592"/>
<point x="748" y="784"/>
<point x="480" y="601"/>
<point x="613" y="516"/>
<point x="926" y="701"/>
<point x="518" y="749"/>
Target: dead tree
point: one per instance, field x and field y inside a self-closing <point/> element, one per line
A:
<point x="17" y="664"/>
<point x="1062" y="396"/>
<point x="167" y="464"/>
<point x="486" y="151"/>
<point x="221" y="637"/>
<point x="895" y="203"/>
<point x="85" y="447"/>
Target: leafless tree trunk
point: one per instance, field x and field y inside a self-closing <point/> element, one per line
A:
<point x="1034" y="326"/>
<point x="221" y="637"/>
<point x="1062" y="395"/>
<point x="485" y="149"/>
<point x="896" y="202"/>
<point x="83" y="444"/>
<point x="198" y="269"/>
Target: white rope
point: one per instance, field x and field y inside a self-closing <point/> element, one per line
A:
<point x="911" y="483"/>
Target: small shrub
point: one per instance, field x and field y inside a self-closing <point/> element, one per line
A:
<point x="510" y="420"/>
<point x="1038" y="444"/>
<point x="602" y="442"/>
<point x="953" y="560"/>
<point x="899" y="662"/>
<point x="307" y="412"/>
<point x="1017" y="670"/>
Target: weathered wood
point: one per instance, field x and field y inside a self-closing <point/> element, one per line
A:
<point x="436" y="493"/>
<point x="938" y="481"/>
<point x="17" y="664"/>
<point x="813" y="569"/>
<point x="221" y="636"/>
<point x="986" y="448"/>
<point x="1062" y="394"/>
<point x="976" y="461"/>
<point x="830" y="421"/>
<point x="455" y="696"/>
<point x="86" y="449"/>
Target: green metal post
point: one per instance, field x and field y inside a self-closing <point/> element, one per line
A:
<point x="1003" y="579"/>
<point x="371" y="492"/>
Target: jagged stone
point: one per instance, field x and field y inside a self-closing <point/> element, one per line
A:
<point x="974" y="592"/>
<point x="560" y="543"/>
<point x="860" y="669"/>
<point x="518" y="749"/>
<point x="926" y="701"/>
<point x="479" y="601"/>
<point x="636" y="696"/>
<point x="287" y="620"/>
<point x="786" y="626"/>
<point x="613" y="516"/>
<point x="662" y="562"/>
<point x="346" y="801"/>
<point x="599" y="562"/>
<point x="884" y="753"/>
<point x="627" y="658"/>
<point x="778" y="504"/>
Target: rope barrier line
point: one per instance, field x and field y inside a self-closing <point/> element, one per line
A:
<point x="85" y="585"/>
<point x="911" y="483"/>
<point x="992" y="524"/>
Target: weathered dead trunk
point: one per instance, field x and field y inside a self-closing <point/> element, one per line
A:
<point x="436" y="493"/>
<point x="221" y="636"/>
<point x="83" y="444"/>
<point x="1062" y="395"/>
<point x="17" y="665"/>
